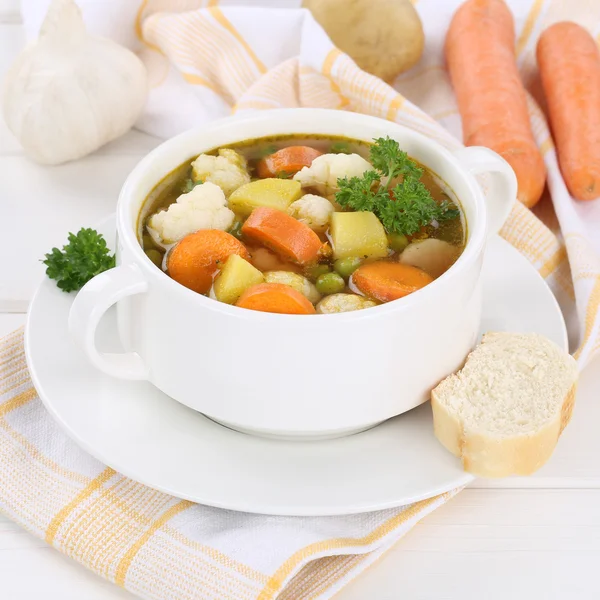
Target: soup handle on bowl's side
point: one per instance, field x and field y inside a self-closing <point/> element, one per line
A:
<point x="90" y="304"/>
<point x="501" y="195"/>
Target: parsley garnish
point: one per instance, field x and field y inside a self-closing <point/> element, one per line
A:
<point x="402" y="209"/>
<point x="85" y="256"/>
<point x="387" y="157"/>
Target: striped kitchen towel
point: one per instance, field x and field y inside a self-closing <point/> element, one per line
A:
<point x="207" y="59"/>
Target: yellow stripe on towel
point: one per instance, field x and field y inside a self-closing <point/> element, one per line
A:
<point x="281" y="575"/>
<point x="591" y="316"/>
<point x="222" y="19"/>
<point x="18" y="401"/>
<point x="131" y="553"/>
<point x="534" y="13"/>
<point x="64" y="513"/>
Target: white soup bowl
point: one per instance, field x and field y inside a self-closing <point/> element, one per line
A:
<point x="292" y="375"/>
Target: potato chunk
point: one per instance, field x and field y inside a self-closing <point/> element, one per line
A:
<point x="235" y="278"/>
<point x="432" y="256"/>
<point x="271" y="193"/>
<point x="358" y="234"/>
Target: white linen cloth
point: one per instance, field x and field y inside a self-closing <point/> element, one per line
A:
<point x="207" y="59"/>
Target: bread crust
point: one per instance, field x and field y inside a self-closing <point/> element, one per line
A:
<point x="486" y="455"/>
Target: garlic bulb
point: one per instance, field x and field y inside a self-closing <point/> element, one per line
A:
<point x="70" y="92"/>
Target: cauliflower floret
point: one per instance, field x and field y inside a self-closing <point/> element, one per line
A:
<point x="205" y="207"/>
<point x="314" y="211"/>
<point x="298" y="282"/>
<point x="227" y="170"/>
<point x="337" y="303"/>
<point x="326" y="169"/>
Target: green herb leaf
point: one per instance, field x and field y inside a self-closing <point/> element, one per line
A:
<point x="405" y="208"/>
<point x="387" y="157"/>
<point x="284" y="175"/>
<point x="236" y="229"/>
<point x="340" y="148"/>
<point x="267" y="151"/>
<point x="85" y="256"/>
<point x="189" y="184"/>
<point x="447" y="211"/>
<point x="360" y="193"/>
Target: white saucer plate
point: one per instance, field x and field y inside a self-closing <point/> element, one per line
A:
<point x="144" y="434"/>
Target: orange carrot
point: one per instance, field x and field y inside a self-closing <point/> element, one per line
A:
<point x="569" y="63"/>
<point x="275" y="298"/>
<point x="198" y="256"/>
<point x="286" y="161"/>
<point x="480" y="52"/>
<point x="387" y="281"/>
<point x="284" y="234"/>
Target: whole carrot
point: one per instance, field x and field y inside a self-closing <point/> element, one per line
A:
<point x="491" y="98"/>
<point x="569" y="63"/>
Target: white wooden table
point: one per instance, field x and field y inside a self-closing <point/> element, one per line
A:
<point x="534" y="538"/>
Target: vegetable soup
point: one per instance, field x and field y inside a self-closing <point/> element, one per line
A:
<point x="302" y="224"/>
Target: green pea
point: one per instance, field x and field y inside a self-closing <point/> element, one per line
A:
<point x="147" y="241"/>
<point x="155" y="256"/>
<point x="397" y="241"/>
<point x="330" y="283"/>
<point x="346" y="266"/>
<point x="314" y="271"/>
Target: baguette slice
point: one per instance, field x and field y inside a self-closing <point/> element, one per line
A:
<point x="503" y="412"/>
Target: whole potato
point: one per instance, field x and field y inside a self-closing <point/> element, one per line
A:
<point x="383" y="37"/>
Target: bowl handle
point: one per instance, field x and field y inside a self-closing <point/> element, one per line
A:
<point x="90" y="304"/>
<point x="501" y="194"/>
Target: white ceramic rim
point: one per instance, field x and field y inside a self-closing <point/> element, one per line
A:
<point x="476" y="226"/>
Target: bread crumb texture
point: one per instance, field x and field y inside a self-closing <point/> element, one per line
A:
<point x="504" y="411"/>
<point x="510" y="384"/>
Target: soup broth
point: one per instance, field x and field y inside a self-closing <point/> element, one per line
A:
<point x="282" y="205"/>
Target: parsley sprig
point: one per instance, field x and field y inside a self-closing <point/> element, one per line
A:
<point x="85" y="256"/>
<point x="403" y="208"/>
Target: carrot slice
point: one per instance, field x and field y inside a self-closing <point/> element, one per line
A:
<point x="283" y="234"/>
<point x="275" y="298"/>
<point x="387" y="281"/>
<point x="480" y="52"/>
<point x="569" y="63"/>
<point x="286" y="162"/>
<point x="198" y="256"/>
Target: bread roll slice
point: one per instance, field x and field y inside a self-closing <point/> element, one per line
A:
<point x="503" y="412"/>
